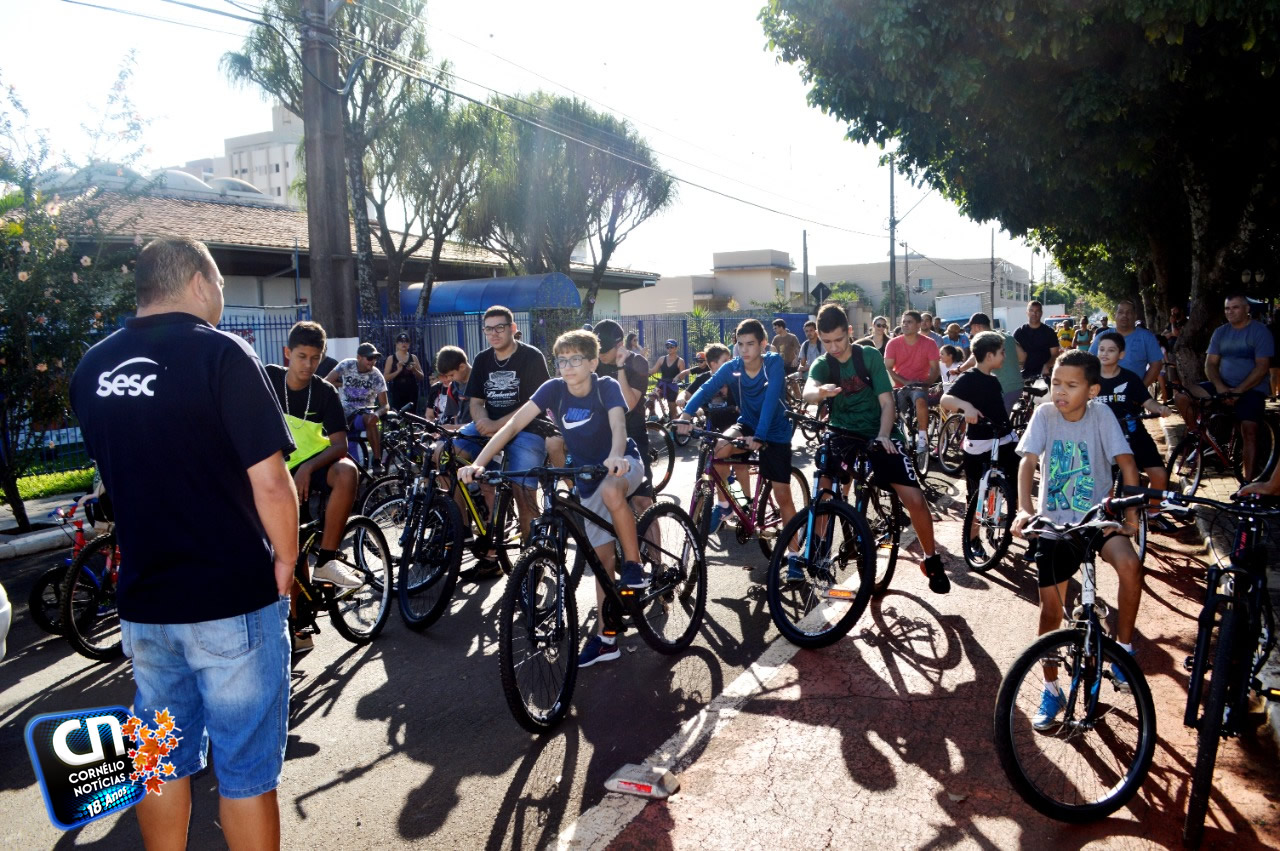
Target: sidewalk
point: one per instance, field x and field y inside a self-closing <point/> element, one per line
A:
<point x="13" y="544"/>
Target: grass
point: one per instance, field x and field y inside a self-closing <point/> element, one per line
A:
<point x="50" y="484"/>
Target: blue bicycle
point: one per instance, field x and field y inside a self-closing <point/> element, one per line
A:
<point x="89" y="617"/>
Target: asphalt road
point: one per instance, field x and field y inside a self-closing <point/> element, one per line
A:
<point x="409" y="739"/>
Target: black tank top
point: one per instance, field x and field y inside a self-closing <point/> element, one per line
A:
<point x="670" y="371"/>
<point x="405" y="382"/>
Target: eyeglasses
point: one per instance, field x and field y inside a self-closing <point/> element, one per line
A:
<point x="881" y="325"/>
<point x="574" y="361"/>
<point x="497" y="329"/>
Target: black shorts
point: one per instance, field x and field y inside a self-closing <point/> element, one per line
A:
<point x="1145" y="453"/>
<point x="775" y="459"/>
<point x="889" y="469"/>
<point x="976" y="465"/>
<point x="1249" y="407"/>
<point x="722" y="417"/>
<point x="1058" y="559"/>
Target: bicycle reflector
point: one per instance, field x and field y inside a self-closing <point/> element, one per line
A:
<point x="839" y="594"/>
<point x="647" y="781"/>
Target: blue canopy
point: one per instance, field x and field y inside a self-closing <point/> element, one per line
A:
<point x="520" y="293"/>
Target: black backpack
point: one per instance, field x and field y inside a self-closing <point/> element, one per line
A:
<point x="859" y="366"/>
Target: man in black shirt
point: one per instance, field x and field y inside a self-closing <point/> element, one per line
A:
<point x="177" y="413"/>
<point x="503" y="377"/>
<point x="1039" y="341"/>
<point x="313" y="412"/>
<point x="632" y="372"/>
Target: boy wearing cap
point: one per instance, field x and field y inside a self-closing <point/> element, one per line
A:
<point x="667" y="368"/>
<point x="631" y="371"/>
<point x="403" y="372"/>
<point x="362" y="385"/>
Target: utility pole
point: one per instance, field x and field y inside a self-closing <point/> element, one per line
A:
<point x="804" y="236"/>
<point x="893" y="256"/>
<point x="906" y="273"/>
<point x="333" y="294"/>
<point x="993" y="270"/>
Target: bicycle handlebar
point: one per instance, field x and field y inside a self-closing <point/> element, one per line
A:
<point x="707" y="434"/>
<point x="1252" y="506"/>
<point x="586" y="472"/>
<point x="801" y="419"/>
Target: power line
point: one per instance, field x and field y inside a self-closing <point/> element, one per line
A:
<point x="152" y="18"/>
<point x="948" y="268"/>
<point x="913" y="206"/>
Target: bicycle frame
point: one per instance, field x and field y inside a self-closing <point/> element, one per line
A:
<point x="711" y="474"/>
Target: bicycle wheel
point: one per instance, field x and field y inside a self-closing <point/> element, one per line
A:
<point x="89" y="617"/>
<point x="703" y="500"/>
<point x="1264" y="452"/>
<point x="359" y="614"/>
<point x="1084" y="768"/>
<point x="391" y="515"/>
<point x="430" y="561"/>
<point x="994" y="518"/>
<point x="45" y="602"/>
<point x="1185" y="466"/>
<point x="769" y="519"/>
<point x="950" y="441"/>
<point x="1209" y="727"/>
<point x="669" y="612"/>
<point x="378" y="492"/>
<point x="506" y="530"/>
<point x="839" y="571"/>
<point x="662" y="455"/>
<point x="883" y="512"/>
<point x="538" y="641"/>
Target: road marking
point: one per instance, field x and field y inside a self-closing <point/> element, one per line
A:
<point x="598" y="826"/>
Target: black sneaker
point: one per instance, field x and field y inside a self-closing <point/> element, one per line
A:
<point x="932" y="568"/>
<point x="1030" y="555"/>
<point x="1160" y="523"/>
<point x="975" y="547"/>
<point x="485" y="568"/>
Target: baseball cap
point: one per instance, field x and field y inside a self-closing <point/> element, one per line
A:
<point x="367" y="350"/>
<point x="981" y="319"/>
<point x="402" y="337"/>
<point x="610" y="334"/>
<point x="672" y="343"/>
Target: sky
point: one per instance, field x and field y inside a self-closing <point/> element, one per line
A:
<point x="694" y="77"/>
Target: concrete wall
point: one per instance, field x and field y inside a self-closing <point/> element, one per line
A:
<point x="950" y="277"/>
<point x="669" y="295"/>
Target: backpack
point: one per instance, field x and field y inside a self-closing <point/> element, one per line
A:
<point x="859" y="366"/>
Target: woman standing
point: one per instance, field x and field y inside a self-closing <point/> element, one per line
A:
<point x="403" y="372"/>
<point x="879" y="336"/>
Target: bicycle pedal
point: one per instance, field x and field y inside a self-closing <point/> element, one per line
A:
<point x="1271" y="694"/>
<point x="1188" y="663"/>
<point x="768" y="534"/>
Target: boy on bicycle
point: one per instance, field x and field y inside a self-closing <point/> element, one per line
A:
<point x="911" y="360"/>
<point x="854" y="378"/>
<point x="722" y="412"/>
<point x="760" y="381"/>
<point x="1080" y="440"/>
<point x="631" y="371"/>
<point x="320" y="464"/>
<point x="978" y="395"/>
<point x="447" y="404"/>
<point x="591" y="414"/>
<point x="363" y="386"/>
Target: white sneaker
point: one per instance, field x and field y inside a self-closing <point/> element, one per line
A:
<point x="337" y="573"/>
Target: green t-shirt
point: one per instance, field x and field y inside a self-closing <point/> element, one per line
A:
<point x="1010" y="374"/>
<point x="858" y="412"/>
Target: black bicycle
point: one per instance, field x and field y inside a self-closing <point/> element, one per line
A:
<point x="990" y="511"/>
<point x="538" y="630"/>
<point x="816" y="600"/>
<point x="1235" y="637"/>
<point x="1089" y="762"/>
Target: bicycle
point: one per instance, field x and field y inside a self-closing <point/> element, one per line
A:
<point x="991" y="509"/>
<point x="758" y="517"/>
<point x="1093" y="761"/>
<point x="906" y="418"/>
<point x="1238" y="601"/>
<point x="358" y="614"/>
<point x="662" y="453"/>
<point x="45" y="600"/>
<point x="1215" y="436"/>
<point x="949" y="444"/>
<point x="88" y="614"/>
<point x="1033" y="389"/>
<point x="538" y="628"/>
<point x="836" y="556"/>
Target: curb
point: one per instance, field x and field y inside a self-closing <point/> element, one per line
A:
<point x="16" y="546"/>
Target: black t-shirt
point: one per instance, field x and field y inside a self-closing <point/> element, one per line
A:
<point x="984" y="393"/>
<point x="175" y="412"/>
<point x="1125" y="395"/>
<point x="636" y="368"/>
<point x="324" y="407"/>
<point x="1037" y="343"/>
<point x="508" y="383"/>
<point x="451" y="407"/>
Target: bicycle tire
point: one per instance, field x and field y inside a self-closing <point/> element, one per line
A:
<point x="669" y="612"/>
<point x="45" y="600"/>
<point x="538" y="642"/>
<point x="1140" y="537"/>
<point x="89" y="616"/>
<point x="807" y="614"/>
<point x="506" y="529"/>
<point x="995" y="524"/>
<point x="379" y="491"/>
<point x="1186" y="466"/>
<point x="429" y="562"/>
<point x="886" y="533"/>
<point x="391" y="515"/>
<point x="769" y="516"/>
<point x="662" y="455"/>
<point x="950" y="440"/>
<point x="359" y="614"/>
<point x="1209" y="727"/>
<point x="1264" y="451"/>
<point x="1042" y="779"/>
<point x="703" y="500"/>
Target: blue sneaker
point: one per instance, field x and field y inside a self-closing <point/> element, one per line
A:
<point x="1119" y="680"/>
<point x="1050" y="705"/>
<point x="597" y="651"/>
<point x="795" y="568"/>
<point x="632" y="576"/>
<point x="718" y="514"/>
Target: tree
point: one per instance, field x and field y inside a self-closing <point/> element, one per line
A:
<point x="703" y="328"/>
<point x="375" y="104"/>
<point x="62" y="285"/>
<point x="1122" y="120"/>
<point x="780" y="303"/>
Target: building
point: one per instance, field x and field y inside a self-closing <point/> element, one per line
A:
<point x="737" y="277"/>
<point x="266" y="160"/>
<point x="928" y="279"/>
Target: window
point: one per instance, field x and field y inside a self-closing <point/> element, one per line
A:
<point x="277" y="168"/>
<point x="277" y="190"/>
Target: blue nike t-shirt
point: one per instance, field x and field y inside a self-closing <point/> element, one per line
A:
<point x="584" y="420"/>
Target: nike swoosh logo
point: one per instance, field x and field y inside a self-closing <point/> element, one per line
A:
<point x="578" y="423"/>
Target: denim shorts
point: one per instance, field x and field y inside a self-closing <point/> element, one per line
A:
<point x="226" y="684"/>
<point x="597" y="535"/>
<point x="525" y="450"/>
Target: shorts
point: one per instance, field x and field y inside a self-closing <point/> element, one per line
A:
<point x="976" y="465"/>
<point x="594" y="503"/>
<point x="774" y="458"/>
<point x="1145" y="453"/>
<point x="226" y="684"/>
<point x="722" y="417"/>
<point x="1248" y="408"/>
<point x="525" y="451"/>
<point x="886" y="469"/>
<point x="907" y="396"/>
<point x="1058" y="559"/>
<point x="355" y="424"/>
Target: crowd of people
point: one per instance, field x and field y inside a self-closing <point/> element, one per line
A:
<point x="205" y="608"/>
